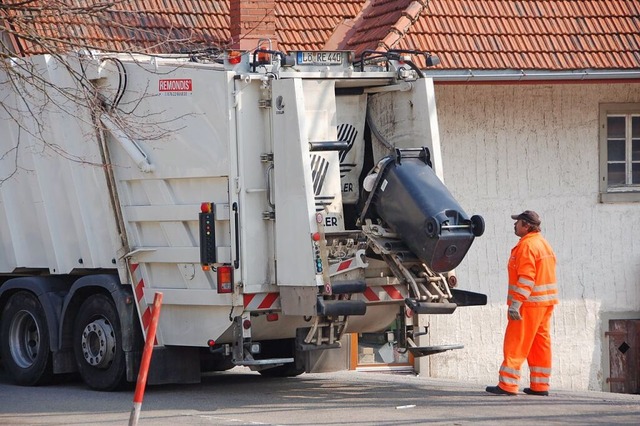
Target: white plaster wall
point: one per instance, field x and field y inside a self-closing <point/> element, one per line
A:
<point x="508" y="148"/>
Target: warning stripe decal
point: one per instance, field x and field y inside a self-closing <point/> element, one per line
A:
<point x="142" y="304"/>
<point x="370" y="295"/>
<point x="393" y="292"/>
<point x="257" y="301"/>
<point x="382" y="293"/>
<point x="345" y="264"/>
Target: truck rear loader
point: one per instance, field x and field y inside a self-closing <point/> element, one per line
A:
<point x="277" y="200"/>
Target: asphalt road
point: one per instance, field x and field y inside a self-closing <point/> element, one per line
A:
<point x="242" y="397"/>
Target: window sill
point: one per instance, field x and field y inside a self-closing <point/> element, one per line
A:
<point x="620" y="197"/>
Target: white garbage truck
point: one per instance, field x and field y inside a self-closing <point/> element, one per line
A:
<point x="276" y="200"/>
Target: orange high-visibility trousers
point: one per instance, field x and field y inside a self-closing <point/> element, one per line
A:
<point x="530" y="339"/>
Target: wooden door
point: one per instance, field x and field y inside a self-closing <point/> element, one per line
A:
<point x="624" y="359"/>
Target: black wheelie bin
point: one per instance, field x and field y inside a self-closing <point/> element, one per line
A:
<point x="414" y="203"/>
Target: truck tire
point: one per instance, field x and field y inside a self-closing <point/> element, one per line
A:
<point x="97" y="344"/>
<point x="24" y="340"/>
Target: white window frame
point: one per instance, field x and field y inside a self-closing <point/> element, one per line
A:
<point x="619" y="194"/>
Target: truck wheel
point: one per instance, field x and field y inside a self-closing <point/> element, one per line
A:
<point x="24" y="340"/>
<point x="97" y="344"/>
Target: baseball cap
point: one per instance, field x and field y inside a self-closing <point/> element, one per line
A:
<point x="528" y="216"/>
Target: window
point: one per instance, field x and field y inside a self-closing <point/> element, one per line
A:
<point x="619" y="152"/>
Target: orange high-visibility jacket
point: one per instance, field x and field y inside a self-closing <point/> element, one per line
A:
<point x="532" y="272"/>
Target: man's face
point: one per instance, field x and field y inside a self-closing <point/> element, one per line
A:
<point x="521" y="228"/>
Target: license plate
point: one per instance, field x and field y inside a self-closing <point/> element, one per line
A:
<point x="320" y="58"/>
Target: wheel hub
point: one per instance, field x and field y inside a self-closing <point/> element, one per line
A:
<point x="24" y="336"/>
<point x="98" y="343"/>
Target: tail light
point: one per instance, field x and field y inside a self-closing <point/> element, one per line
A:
<point x="452" y="280"/>
<point x="225" y="279"/>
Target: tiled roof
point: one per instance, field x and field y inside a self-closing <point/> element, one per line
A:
<point x="139" y="25"/>
<point x="465" y="34"/>
<point x="308" y="24"/>
<point x="382" y="24"/>
<point x="529" y="34"/>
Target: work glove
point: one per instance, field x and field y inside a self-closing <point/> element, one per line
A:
<point x="514" y="311"/>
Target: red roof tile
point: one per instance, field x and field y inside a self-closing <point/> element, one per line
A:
<point x="160" y="25"/>
<point x="469" y="34"/>
<point x="530" y="34"/>
<point x="308" y="24"/>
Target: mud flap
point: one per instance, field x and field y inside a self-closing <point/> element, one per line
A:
<point x="468" y="298"/>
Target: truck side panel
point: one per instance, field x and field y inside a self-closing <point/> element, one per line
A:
<point x="57" y="214"/>
<point x="181" y="119"/>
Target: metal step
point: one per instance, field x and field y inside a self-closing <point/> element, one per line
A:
<point x="270" y="361"/>
<point x="418" y="351"/>
<point x="333" y="308"/>
<point x="319" y="337"/>
<point x="430" y="308"/>
<point x="348" y="286"/>
<point x="313" y="347"/>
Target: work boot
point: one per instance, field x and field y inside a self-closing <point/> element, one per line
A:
<point x="530" y="391"/>
<point x="497" y="390"/>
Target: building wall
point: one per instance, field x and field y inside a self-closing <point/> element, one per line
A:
<point x="508" y="148"/>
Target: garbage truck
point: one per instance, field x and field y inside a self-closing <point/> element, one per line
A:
<point x="277" y="200"/>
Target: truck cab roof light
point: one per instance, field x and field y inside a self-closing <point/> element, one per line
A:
<point x="235" y="57"/>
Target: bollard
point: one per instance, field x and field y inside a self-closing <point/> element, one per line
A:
<point x="146" y="360"/>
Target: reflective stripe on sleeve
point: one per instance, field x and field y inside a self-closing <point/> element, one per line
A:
<point x="525" y="282"/>
<point x="519" y="290"/>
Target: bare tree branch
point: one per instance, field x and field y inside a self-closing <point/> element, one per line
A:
<point x="34" y="26"/>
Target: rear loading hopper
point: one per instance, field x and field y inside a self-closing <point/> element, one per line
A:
<point x="414" y="203"/>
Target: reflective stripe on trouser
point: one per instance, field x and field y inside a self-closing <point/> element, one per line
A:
<point x="529" y="339"/>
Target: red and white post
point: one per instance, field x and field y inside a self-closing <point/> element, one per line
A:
<point x="146" y="360"/>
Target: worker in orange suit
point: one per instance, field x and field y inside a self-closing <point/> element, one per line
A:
<point x="533" y="293"/>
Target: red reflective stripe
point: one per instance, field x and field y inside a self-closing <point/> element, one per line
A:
<point x="247" y="299"/>
<point x="146" y="318"/>
<point x="344" y="265"/>
<point x="139" y="290"/>
<point x="268" y="300"/>
<point x="371" y="295"/>
<point x="392" y="291"/>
